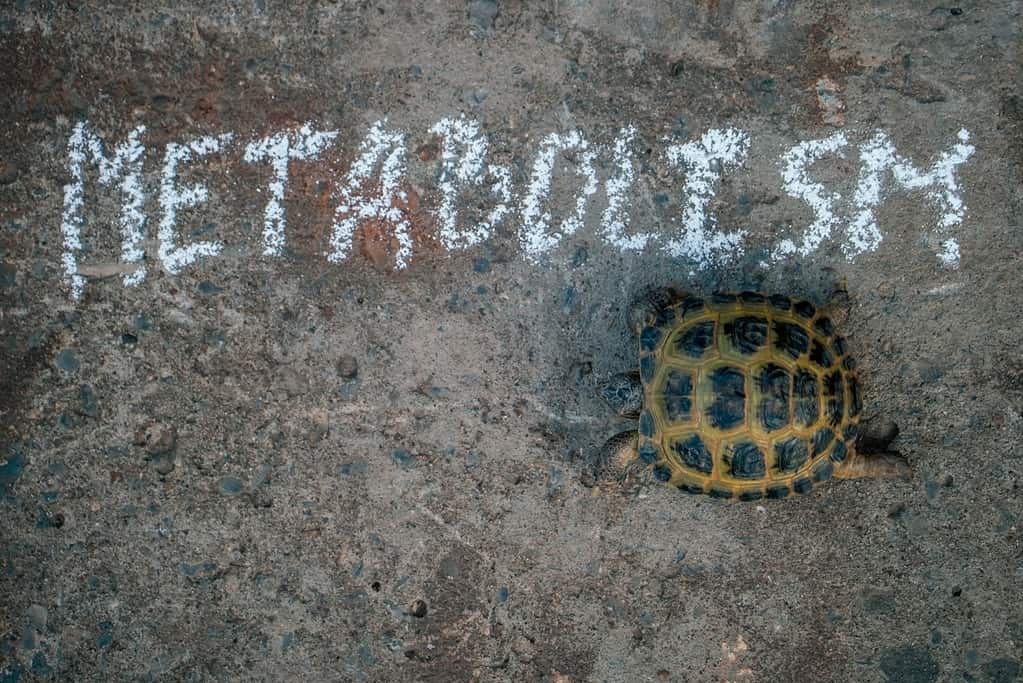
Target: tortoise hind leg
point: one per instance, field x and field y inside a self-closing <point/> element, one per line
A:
<point x="876" y="466"/>
<point x="644" y="309"/>
<point x="871" y="457"/>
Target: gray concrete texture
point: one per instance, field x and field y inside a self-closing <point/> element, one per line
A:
<point x="284" y="468"/>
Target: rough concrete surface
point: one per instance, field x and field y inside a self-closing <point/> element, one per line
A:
<point x="289" y="468"/>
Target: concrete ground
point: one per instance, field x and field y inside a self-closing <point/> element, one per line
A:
<point x="289" y="466"/>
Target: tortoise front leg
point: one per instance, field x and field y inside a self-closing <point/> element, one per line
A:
<point x="618" y="460"/>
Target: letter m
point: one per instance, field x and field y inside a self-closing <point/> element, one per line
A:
<point x="123" y="168"/>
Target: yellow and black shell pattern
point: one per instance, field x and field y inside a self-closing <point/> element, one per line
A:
<point x="746" y="396"/>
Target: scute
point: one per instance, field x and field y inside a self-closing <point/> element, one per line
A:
<point x="790" y="454"/>
<point x="745" y="461"/>
<point x="747" y="333"/>
<point x="821" y="440"/>
<point x="820" y="355"/>
<point x="678" y="389"/>
<point x="689" y="305"/>
<point x="747" y="396"/>
<point x="774" y="383"/>
<point x="723" y="298"/>
<point x="805" y="393"/>
<point x="695" y="455"/>
<point x="854" y="397"/>
<point x="752" y="297"/>
<point x="834" y="389"/>
<point x="729" y="407"/>
<point x="649" y="337"/>
<point x="647" y="364"/>
<point x="697" y="339"/>
<point x="804" y="308"/>
<point x="791" y="338"/>
<point x="839" y="452"/>
<point x="823" y="470"/>
<point x="646" y="424"/>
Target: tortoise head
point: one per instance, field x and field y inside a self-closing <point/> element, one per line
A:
<point x="624" y="393"/>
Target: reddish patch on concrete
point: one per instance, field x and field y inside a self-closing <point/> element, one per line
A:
<point x="428" y="151"/>
<point x="310" y="202"/>
<point x="375" y="239"/>
<point x="210" y="81"/>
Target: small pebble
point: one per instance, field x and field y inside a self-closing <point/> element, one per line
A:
<point x="524" y="648"/>
<point x="8" y="275"/>
<point x="37" y="617"/>
<point x="347" y="366"/>
<point x="418" y="609"/>
<point x="482" y="13"/>
<point x="68" y="361"/>
<point x="207" y="288"/>
<point x="157" y="438"/>
<point x="231" y="486"/>
<point x="164" y="464"/>
<point x="88" y="402"/>
<point x="579" y="370"/>
<point x="8" y="173"/>
<point x="142" y="322"/>
<point x="402" y="458"/>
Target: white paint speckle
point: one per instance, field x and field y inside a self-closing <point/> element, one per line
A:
<point x="173" y="198"/>
<point x="797" y="183"/>
<point x="282" y="148"/>
<point x="536" y="234"/>
<point x="502" y="189"/>
<point x="462" y="153"/>
<point x="125" y="165"/>
<point x="386" y="149"/>
<point x="704" y="161"/>
<point x="614" y="220"/>
<point x="878" y="155"/>
<point x="949" y="253"/>
<point x="945" y="289"/>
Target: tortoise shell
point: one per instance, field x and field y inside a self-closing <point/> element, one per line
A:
<point x="746" y="396"/>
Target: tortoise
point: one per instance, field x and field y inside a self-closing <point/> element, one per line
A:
<point x="742" y="396"/>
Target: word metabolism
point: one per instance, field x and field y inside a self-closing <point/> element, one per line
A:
<point x="373" y="184"/>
